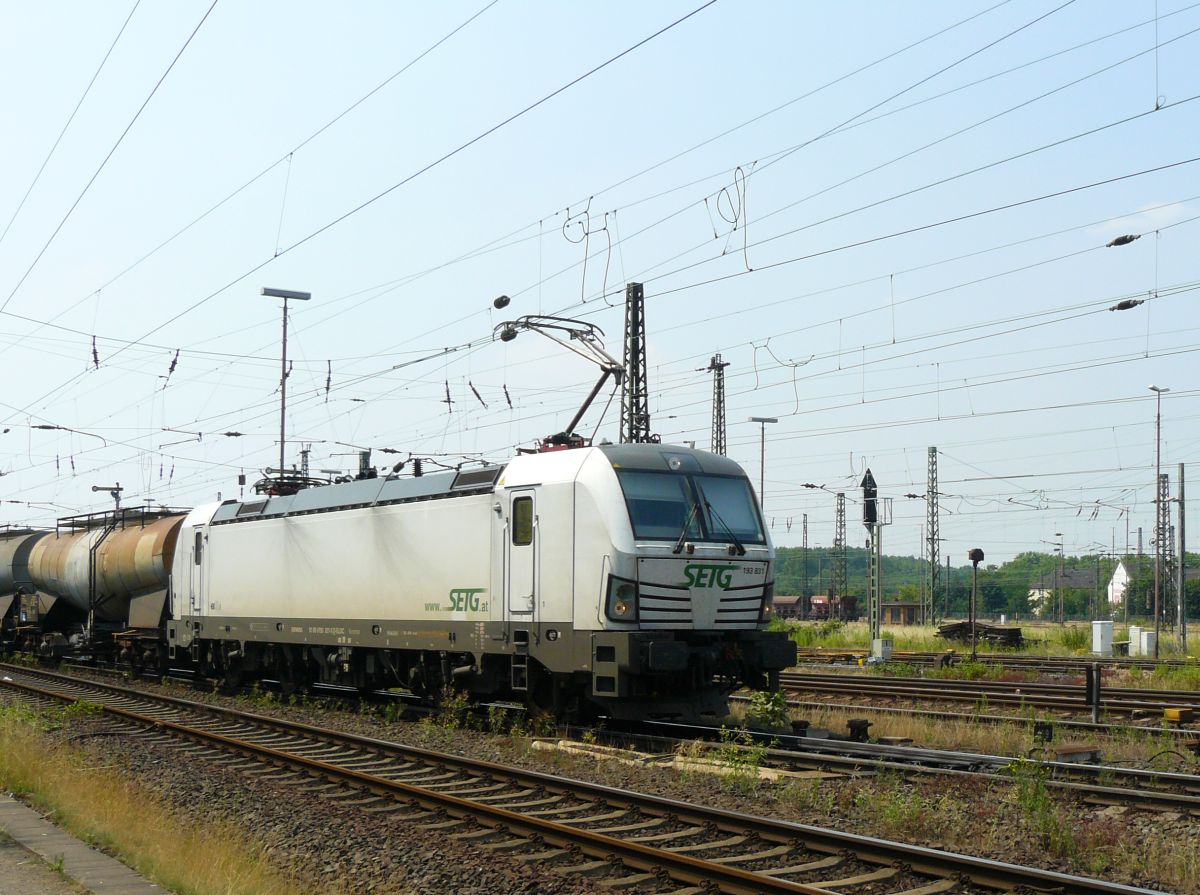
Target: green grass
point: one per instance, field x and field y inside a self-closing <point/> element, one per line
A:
<point x="1041" y="638"/>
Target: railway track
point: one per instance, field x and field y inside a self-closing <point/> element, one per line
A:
<point x="949" y="657"/>
<point x="1094" y="783"/>
<point x="1069" y="698"/>
<point x="1187" y="735"/>
<point x="632" y="841"/>
<point x="1097" y="783"/>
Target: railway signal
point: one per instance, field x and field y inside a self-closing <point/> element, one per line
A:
<point x="875" y="517"/>
<point x="976" y="557"/>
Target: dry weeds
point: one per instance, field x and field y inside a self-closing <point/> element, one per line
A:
<point x="117" y="816"/>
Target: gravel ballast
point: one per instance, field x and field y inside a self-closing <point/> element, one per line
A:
<point x="339" y="848"/>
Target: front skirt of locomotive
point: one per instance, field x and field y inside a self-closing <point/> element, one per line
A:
<point x="674" y="674"/>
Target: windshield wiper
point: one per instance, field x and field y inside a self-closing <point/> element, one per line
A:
<point x="686" y="522"/>
<point x="708" y="506"/>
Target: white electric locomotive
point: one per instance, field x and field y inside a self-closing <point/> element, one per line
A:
<point x="626" y="580"/>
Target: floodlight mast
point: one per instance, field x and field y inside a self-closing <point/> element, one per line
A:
<point x="582" y="338"/>
<point x="287" y="295"/>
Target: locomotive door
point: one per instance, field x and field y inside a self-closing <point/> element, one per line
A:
<point x="196" y="573"/>
<point x="521" y="548"/>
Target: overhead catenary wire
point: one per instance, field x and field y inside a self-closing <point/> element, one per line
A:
<point x="479" y="383"/>
<point x="408" y="179"/>
<point x="858" y="121"/>
<point x="1165" y="292"/>
<point x="1175" y="38"/>
<point x="377" y="88"/>
<point x="271" y="167"/>
<point x="947" y="389"/>
<point x="67" y="124"/>
<point x="107" y="157"/>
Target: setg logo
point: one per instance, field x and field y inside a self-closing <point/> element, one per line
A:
<point x="466" y="599"/>
<point x="699" y="575"/>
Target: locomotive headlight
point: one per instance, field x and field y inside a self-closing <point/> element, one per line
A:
<point x="768" y="603"/>
<point x="621" y="604"/>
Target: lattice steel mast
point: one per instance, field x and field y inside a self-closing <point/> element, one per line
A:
<point x="934" y="535"/>
<point x="717" y="366"/>
<point x="1162" y="545"/>
<point x="837" y="580"/>
<point x="635" y="389"/>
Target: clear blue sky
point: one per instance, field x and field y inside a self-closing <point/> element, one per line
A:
<point x="727" y="164"/>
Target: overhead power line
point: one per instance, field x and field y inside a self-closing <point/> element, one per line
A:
<point x="275" y="164"/>
<point x="425" y="169"/>
<point x="918" y="83"/>
<point x="910" y="230"/>
<point x="120" y="139"/>
<point x="363" y="205"/>
<point x="67" y="124"/>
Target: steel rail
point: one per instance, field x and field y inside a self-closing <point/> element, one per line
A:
<point x="1059" y="697"/>
<point x="944" y="865"/>
<point x="1094" y="793"/>
<point x="1068" y="724"/>
<point x="812" y="754"/>
<point x="952" y="657"/>
<point x="849" y="758"/>
<point x="1187" y="697"/>
<point x="683" y="868"/>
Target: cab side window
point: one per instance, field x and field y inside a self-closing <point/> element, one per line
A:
<point x="522" y="522"/>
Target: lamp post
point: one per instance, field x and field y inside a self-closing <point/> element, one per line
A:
<point x="1159" y="533"/>
<point x="287" y="295"/>
<point x="762" y="456"/>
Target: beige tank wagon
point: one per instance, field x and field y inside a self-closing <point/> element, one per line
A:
<point x="101" y="562"/>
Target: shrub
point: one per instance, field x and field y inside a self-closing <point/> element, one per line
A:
<point x="742" y="755"/>
<point x="768" y="709"/>
<point x="1034" y="799"/>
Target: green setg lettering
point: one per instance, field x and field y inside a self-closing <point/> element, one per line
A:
<point x="707" y="575"/>
<point x="466" y="599"/>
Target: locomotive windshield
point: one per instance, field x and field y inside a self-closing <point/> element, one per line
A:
<point x="666" y="506"/>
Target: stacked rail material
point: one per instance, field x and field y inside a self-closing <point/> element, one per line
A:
<point x="993" y="634"/>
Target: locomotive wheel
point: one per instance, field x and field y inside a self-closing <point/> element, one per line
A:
<point x="291" y="671"/>
<point x="231" y="681"/>
<point x="233" y="676"/>
<point x="544" y="693"/>
<point x="288" y="684"/>
<point x="417" y="684"/>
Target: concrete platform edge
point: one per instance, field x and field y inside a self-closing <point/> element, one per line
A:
<point x="91" y="869"/>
